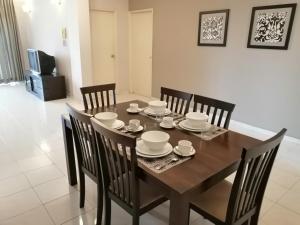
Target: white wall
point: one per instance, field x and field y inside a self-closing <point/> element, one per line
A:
<point x="41" y="29"/>
<point x="263" y="83"/>
<point x="122" y="58"/>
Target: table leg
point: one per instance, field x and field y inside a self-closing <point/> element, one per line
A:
<point x="179" y="210"/>
<point x="69" y="150"/>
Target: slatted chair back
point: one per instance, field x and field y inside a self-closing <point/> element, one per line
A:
<point x="251" y="181"/>
<point x="218" y="111"/>
<point x="98" y="96"/>
<point x="85" y="142"/>
<point x="177" y="101"/>
<point x="118" y="164"/>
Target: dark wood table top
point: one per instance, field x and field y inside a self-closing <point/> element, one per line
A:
<point x="214" y="160"/>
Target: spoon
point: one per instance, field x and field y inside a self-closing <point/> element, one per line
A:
<point x="172" y="160"/>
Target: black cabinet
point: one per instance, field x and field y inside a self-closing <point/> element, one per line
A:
<point x="46" y="87"/>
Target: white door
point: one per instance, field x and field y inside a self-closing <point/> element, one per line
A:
<point x="141" y="37"/>
<point x="103" y="46"/>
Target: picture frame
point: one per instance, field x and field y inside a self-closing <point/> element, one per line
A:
<point x="271" y="26"/>
<point x="213" y="28"/>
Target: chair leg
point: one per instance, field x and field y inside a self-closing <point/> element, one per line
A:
<point x="135" y="220"/>
<point x="254" y="219"/>
<point x="82" y="188"/>
<point x="99" y="204"/>
<point x="107" y="208"/>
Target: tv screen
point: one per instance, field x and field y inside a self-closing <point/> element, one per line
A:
<point x="33" y="59"/>
<point x="40" y="62"/>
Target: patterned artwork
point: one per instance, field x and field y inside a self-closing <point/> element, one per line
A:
<point x="213" y="28"/>
<point x="271" y="26"/>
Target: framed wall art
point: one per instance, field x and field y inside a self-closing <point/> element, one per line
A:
<point x="213" y="26"/>
<point x="271" y="26"/>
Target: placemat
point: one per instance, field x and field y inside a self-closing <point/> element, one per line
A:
<point x="165" y="162"/>
<point x="209" y="135"/>
<point x="175" y="116"/>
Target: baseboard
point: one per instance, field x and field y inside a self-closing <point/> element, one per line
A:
<point x="261" y="131"/>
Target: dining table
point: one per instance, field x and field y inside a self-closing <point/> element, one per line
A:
<point x="213" y="161"/>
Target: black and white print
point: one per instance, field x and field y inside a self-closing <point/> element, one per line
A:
<point x="213" y="28"/>
<point x="271" y="26"/>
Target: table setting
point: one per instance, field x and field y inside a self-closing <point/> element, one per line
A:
<point x="153" y="147"/>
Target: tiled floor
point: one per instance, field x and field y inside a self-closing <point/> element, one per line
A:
<point x="33" y="183"/>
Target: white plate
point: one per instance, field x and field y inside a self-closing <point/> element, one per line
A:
<point x="134" y="112"/>
<point x="162" y="124"/>
<point x="118" y="124"/>
<point x="140" y="128"/>
<point x="144" y="151"/>
<point x="193" y="152"/>
<point x="184" y="125"/>
<point x="150" y="112"/>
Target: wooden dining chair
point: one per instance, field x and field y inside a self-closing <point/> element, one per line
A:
<point x="98" y="96"/>
<point x="121" y="175"/>
<point x="240" y="203"/>
<point x="88" y="162"/>
<point x="218" y="111"/>
<point x="178" y="101"/>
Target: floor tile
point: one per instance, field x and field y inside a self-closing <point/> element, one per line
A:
<point x="274" y="191"/>
<point x="8" y="170"/>
<point x="34" y="163"/>
<point x="284" y="179"/>
<point x="88" y="218"/>
<point x="13" y="185"/>
<point x="266" y="205"/>
<point x="39" y="155"/>
<point x="17" y="204"/>
<point x="278" y="215"/>
<point x="53" y="189"/>
<point x="6" y="158"/>
<point x="43" y="175"/>
<point x="63" y="209"/>
<point x="291" y="199"/>
<point x="37" y="216"/>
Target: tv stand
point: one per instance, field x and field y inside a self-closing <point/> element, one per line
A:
<point x="46" y="87"/>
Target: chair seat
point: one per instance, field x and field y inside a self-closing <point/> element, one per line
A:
<point x="213" y="202"/>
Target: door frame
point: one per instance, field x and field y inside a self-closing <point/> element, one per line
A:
<point x="116" y="61"/>
<point x="130" y="13"/>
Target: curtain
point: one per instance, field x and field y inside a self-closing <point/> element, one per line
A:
<point x="10" y="57"/>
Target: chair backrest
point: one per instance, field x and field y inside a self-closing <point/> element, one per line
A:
<point x="251" y="180"/>
<point x="98" y="96"/>
<point x="216" y="109"/>
<point x="178" y="101"/>
<point x="85" y="142"/>
<point x="118" y="164"/>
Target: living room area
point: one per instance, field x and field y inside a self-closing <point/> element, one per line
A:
<point x="51" y="49"/>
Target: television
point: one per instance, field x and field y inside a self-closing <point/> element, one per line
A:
<point x="40" y="62"/>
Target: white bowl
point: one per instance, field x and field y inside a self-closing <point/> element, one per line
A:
<point x="108" y="118"/>
<point x="196" y="119"/>
<point x="155" y="140"/>
<point x="158" y="106"/>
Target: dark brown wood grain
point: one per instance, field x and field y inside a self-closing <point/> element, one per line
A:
<point x="98" y="96"/>
<point x="88" y="162"/>
<point x="119" y="168"/>
<point x="219" y="111"/>
<point x="240" y="203"/>
<point x="214" y="160"/>
<point x="177" y="101"/>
